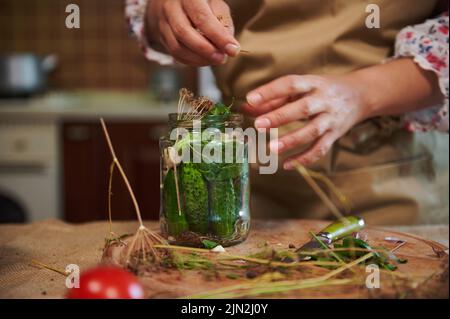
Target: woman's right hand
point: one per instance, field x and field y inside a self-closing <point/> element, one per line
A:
<point x="194" y="32"/>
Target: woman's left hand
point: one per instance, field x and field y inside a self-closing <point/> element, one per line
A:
<point x="331" y="105"/>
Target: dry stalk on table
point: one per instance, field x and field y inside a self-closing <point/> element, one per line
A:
<point x="348" y="275"/>
<point x="141" y="248"/>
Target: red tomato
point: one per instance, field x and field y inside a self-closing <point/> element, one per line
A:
<point x="106" y="282"/>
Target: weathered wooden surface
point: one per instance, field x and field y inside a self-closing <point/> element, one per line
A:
<point x="59" y="244"/>
<point x="423" y="263"/>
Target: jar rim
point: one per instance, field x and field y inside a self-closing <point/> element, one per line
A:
<point x="228" y="120"/>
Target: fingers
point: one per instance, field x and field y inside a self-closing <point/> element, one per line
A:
<point x="180" y="52"/>
<point x="314" y="153"/>
<point x="265" y="108"/>
<point x="222" y="11"/>
<point x="298" y="110"/>
<point x="184" y="33"/>
<point x="203" y="18"/>
<point x="313" y="131"/>
<point x="284" y="86"/>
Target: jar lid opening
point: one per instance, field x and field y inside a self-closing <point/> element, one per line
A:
<point x="229" y="120"/>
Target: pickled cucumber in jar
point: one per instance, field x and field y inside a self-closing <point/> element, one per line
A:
<point x="204" y="195"/>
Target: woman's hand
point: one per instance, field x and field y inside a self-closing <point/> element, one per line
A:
<point x="194" y="32"/>
<point x="331" y="105"/>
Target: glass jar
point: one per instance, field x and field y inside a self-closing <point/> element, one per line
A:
<point x="205" y="181"/>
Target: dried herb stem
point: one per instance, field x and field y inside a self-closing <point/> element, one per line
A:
<point x="196" y="107"/>
<point x="339" y="195"/>
<point x="278" y="263"/>
<point x="284" y="288"/>
<point x="326" y="248"/>
<point x="144" y="240"/>
<point x="347" y="266"/>
<point x="225" y="256"/>
<point x="259" y="288"/>
<point x="175" y="173"/>
<point x="356" y="249"/>
<point x="324" y="197"/>
<point x="437" y="247"/>
<point x="253" y="289"/>
<point x="45" y="266"/>
<point x="191" y="249"/>
<point x="111" y="174"/>
<point x="122" y="173"/>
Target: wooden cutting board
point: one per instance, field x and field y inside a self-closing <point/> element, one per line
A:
<point x="426" y="270"/>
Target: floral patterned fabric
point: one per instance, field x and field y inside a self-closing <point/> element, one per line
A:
<point x="135" y="16"/>
<point x="427" y="43"/>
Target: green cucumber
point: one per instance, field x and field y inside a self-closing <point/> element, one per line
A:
<point x="176" y="222"/>
<point x="237" y="183"/>
<point x="195" y="194"/>
<point x="220" y="171"/>
<point x="223" y="208"/>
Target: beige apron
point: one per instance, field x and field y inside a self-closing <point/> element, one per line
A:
<point x="389" y="176"/>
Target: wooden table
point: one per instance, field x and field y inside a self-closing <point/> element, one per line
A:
<point x="58" y="244"/>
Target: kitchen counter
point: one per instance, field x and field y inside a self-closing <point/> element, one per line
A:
<point x="86" y="106"/>
<point x="36" y="135"/>
<point x="58" y="244"/>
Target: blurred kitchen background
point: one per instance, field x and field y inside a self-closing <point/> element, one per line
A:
<point x="55" y="84"/>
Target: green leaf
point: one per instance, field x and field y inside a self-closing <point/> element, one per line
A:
<point x="381" y="259"/>
<point x="219" y="109"/>
<point x="388" y="267"/>
<point x="209" y="244"/>
<point x="325" y="246"/>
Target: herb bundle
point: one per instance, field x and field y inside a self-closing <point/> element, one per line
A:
<point x="350" y="248"/>
<point x="141" y="248"/>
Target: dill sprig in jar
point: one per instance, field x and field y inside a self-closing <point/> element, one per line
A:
<point x="204" y="175"/>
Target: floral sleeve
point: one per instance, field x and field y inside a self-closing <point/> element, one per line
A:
<point x="135" y="15"/>
<point x="428" y="44"/>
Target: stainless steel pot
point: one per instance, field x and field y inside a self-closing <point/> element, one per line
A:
<point x="24" y="74"/>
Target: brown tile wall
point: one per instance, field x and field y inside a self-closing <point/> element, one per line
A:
<point x="99" y="55"/>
